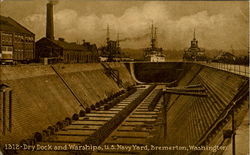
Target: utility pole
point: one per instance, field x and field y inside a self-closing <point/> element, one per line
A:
<point x="166" y="97"/>
<point x="233" y="136"/>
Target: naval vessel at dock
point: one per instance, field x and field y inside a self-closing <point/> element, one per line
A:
<point x="153" y="53"/>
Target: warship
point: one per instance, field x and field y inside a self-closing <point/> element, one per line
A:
<point x="153" y="53"/>
<point x="194" y="52"/>
<point x="112" y="50"/>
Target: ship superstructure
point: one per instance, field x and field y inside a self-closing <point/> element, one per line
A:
<point x="112" y="50"/>
<point x="153" y="53"/>
<point x="194" y="52"/>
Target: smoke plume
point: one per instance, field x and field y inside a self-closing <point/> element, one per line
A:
<point x="54" y="2"/>
<point x="139" y="38"/>
<point x="219" y="30"/>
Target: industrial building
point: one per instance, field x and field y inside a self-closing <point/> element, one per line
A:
<point x="48" y="48"/>
<point x="62" y="51"/>
<point x="17" y="42"/>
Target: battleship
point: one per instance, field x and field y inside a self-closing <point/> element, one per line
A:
<point x="153" y="53"/>
<point x="112" y="50"/>
<point x="194" y="52"/>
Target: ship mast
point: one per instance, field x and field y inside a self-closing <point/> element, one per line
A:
<point x="194" y="34"/>
<point x="152" y="32"/>
<point x="107" y="33"/>
<point x="153" y="35"/>
<point x="118" y="41"/>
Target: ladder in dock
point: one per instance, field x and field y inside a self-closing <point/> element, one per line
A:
<point x="112" y="73"/>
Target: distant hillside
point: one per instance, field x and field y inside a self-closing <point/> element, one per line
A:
<point x="215" y="52"/>
<point x="177" y="54"/>
<point x="134" y="53"/>
<point x="173" y="54"/>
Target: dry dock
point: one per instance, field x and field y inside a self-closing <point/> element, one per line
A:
<point x="144" y="104"/>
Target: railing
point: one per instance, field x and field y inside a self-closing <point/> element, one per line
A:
<point x="233" y="68"/>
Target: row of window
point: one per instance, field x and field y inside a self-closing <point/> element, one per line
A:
<point x="7" y="38"/>
<point x="21" y="46"/>
<point x="20" y="38"/>
<point x="23" y="55"/>
<point x="6" y="48"/>
<point x="10" y="48"/>
<point x="18" y="54"/>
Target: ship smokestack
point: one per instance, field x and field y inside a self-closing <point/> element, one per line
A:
<point x="50" y="23"/>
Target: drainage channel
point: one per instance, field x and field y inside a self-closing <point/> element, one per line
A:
<point x="133" y="135"/>
<point x="98" y="122"/>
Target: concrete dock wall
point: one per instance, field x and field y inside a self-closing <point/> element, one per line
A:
<point x="44" y="95"/>
<point x="41" y="98"/>
<point x="191" y="118"/>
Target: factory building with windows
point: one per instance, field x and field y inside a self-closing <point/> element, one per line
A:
<point x="17" y="43"/>
<point x="48" y="48"/>
<point x="62" y="51"/>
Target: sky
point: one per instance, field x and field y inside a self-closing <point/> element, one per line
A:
<point x="218" y="24"/>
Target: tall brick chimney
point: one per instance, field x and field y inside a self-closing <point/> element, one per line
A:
<point x="49" y="22"/>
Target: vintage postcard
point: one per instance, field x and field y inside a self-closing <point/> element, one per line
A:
<point x="122" y="77"/>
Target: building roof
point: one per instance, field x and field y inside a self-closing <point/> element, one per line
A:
<point x="225" y="54"/>
<point x="10" y="25"/>
<point x="63" y="44"/>
<point x="70" y="46"/>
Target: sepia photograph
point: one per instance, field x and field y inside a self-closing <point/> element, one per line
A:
<point x="124" y="77"/>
